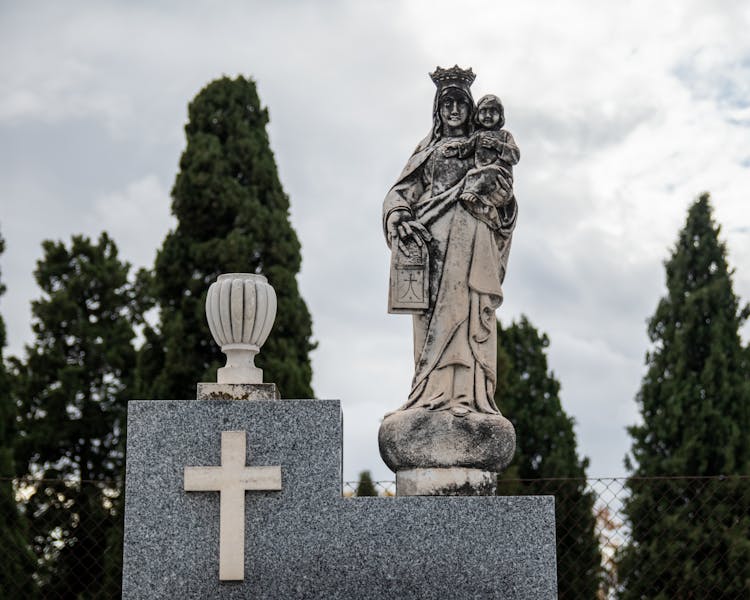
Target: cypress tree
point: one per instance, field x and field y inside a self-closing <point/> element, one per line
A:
<point x="232" y="216"/>
<point x="691" y="536"/>
<point x="16" y="559"/>
<point x="528" y="395"/>
<point x="72" y="390"/>
<point x="366" y="487"/>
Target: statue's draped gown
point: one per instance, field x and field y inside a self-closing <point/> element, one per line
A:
<point x="455" y="340"/>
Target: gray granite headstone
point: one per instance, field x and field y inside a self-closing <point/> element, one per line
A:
<point x="307" y="541"/>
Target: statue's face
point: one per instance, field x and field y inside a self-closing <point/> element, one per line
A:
<point x="454" y="109"/>
<point x="488" y="116"/>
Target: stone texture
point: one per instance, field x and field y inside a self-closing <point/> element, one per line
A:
<point x="421" y="438"/>
<point x="238" y="391"/>
<point x="455" y="481"/>
<point x="306" y="541"/>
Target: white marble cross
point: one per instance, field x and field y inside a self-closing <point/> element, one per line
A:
<point x="231" y="480"/>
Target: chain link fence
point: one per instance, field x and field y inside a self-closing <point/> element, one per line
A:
<point x="599" y="557"/>
<point x="80" y="557"/>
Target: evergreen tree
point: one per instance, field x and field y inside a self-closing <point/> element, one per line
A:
<point x="366" y="487"/>
<point x="233" y="216"/>
<point x="72" y="391"/>
<point x="528" y="395"/>
<point x="16" y="559"/>
<point x="691" y="537"/>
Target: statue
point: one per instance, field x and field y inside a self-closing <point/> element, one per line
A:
<point x="449" y="221"/>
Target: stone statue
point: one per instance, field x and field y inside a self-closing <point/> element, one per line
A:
<point x="449" y="220"/>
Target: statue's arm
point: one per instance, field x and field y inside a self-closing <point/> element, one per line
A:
<point x="508" y="215"/>
<point x="462" y="150"/>
<point x="398" y="203"/>
<point x="509" y="151"/>
<point x="394" y="203"/>
<point x="504" y="145"/>
<point x="399" y="222"/>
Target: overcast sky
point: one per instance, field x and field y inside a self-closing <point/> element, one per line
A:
<point x="624" y="113"/>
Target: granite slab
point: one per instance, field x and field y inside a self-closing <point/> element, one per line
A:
<point x="307" y="541"/>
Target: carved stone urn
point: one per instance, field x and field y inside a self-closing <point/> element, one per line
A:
<point x="240" y="308"/>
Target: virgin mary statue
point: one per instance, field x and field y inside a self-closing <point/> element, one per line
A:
<point x="455" y="339"/>
<point x="455" y="346"/>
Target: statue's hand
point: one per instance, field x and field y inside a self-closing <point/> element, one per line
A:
<point x="414" y="229"/>
<point x="451" y="149"/>
<point x="401" y="226"/>
<point x="489" y="141"/>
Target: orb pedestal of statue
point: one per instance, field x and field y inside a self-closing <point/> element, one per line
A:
<point x="439" y="453"/>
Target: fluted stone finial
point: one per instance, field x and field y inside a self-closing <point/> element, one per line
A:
<point x="240" y="309"/>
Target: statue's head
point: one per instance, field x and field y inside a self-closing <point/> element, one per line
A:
<point x="453" y="106"/>
<point x="490" y="113"/>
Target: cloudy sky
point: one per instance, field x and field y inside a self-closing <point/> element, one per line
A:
<point x="624" y="113"/>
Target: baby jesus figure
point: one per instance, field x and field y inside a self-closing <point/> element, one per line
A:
<point x="488" y="187"/>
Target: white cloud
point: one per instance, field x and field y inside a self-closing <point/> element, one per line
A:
<point x="137" y="218"/>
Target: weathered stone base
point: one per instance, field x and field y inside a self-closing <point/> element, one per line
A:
<point x="307" y="541"/>
<point x="418" y="438"/>
<point x="456" y="481"/>
<point x="238" y="391"/>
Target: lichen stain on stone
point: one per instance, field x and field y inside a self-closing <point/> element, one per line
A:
<point x="466" y="489"/>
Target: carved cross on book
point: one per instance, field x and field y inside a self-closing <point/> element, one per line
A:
<point x="231" y="480"/>
<point x="409" y="286"/>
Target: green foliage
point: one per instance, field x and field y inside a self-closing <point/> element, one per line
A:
<point x="695" y="406"/>
<point x="365" y="486"/>
<point x="71" y="394"/>
<point x="233" y="216"/>
<point x="16" y="559"/>
<point x="528" y="394"/>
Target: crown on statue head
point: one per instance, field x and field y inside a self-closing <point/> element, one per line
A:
<point x="453" y="77"/>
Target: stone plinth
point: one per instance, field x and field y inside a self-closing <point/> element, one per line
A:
<point x="306" y="540"/>
<point x="454" y="481"/>
<point x="437" y="452"/>
<point x="238" y="391"/>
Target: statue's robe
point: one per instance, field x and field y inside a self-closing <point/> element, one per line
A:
<point x="455" y="340"/>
